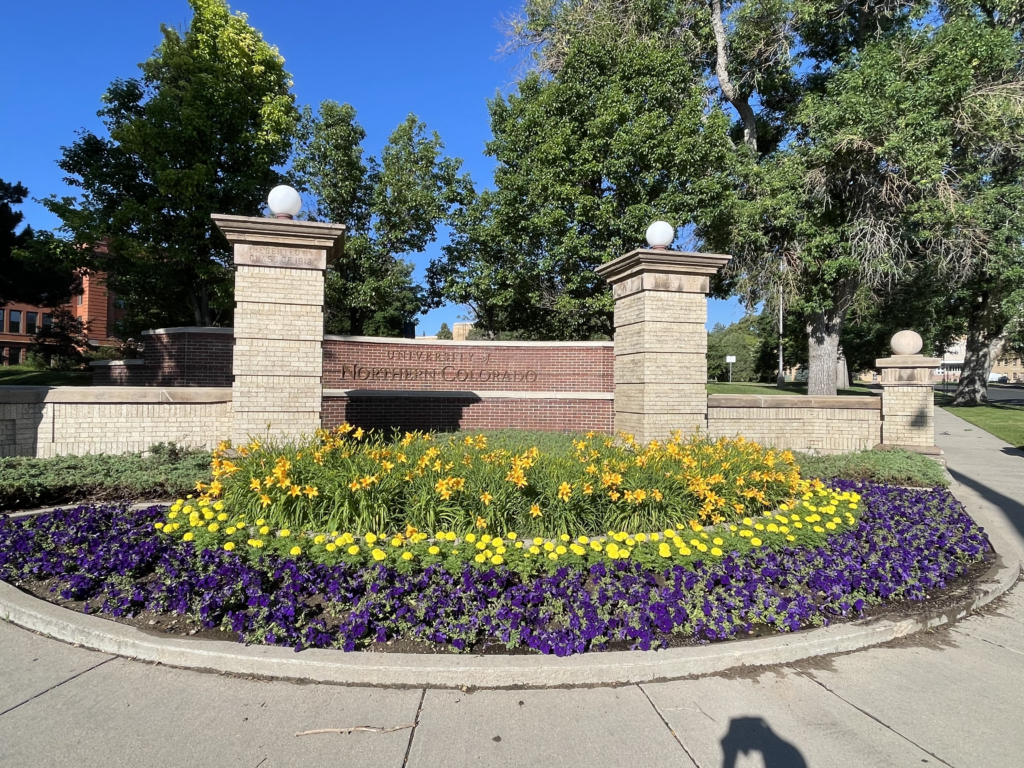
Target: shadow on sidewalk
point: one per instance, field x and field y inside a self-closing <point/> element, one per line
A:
<point x="1012" y="508"/>
<point x="753" y="734"/>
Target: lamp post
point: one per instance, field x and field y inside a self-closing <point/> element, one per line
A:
<point x="781" y="378"/>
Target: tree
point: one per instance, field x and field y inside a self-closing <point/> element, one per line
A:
<point x="392" y="207"/>
<point x="199" y="132"/>
<point x="740" y="339"/>
<point x="444" y="332"/>
<point x="31" y="264"/>
<point x="586" y="158"/>
<point x="63" y="341"/>
<point x="852" y="119"/>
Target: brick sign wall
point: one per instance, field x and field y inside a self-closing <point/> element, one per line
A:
<point x="553" y="386"/>
<point x="175" y="357"/>
<point x="355" y="363"/>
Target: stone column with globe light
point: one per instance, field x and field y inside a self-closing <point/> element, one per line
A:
<point x="661" y="367"/>
<point x="908" y="401"/>
<point x="279" y="328"/>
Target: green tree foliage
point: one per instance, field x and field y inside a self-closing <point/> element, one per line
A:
<point x="32" y="269"/>
<point x="391" y="207"/>
<point x="586" y="159"/>
<point x="741" y="339"/>
<point x="63" y="343"/>
<point x="444" y="332"/>
<point x="199" y="132"/>
<point x="868" y="136"/>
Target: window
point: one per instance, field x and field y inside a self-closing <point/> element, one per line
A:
<point x="78" y="299"/>
<point x="47" y="320"/>
<point x="14" y="321"/>
<point x="31" y="318"/>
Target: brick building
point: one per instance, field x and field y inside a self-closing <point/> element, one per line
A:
<point x="96" y="306"/>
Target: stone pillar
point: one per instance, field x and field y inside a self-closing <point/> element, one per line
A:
<point x="908" y="401"/>
<point x="661" y="367"/>
<point x="279" y="325"/>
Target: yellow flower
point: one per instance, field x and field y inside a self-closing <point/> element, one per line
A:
<point x="481" y="523"/>
<point x="470" y="538"/>
<point x="229" y="546"/>
<point x="407" y="555"/>
<point x="535" y="510"/>
<point x="264" y="500"/>
<point x="396" y="541"/>
<point x="219" y="506"/>
<point x="188" y="536"/>
<point x="354" y="549"/>
<point x="378" y="554"/>
<point x="255" y="543"/>
<point x="354" y="485"/>
<point x="311" y="491"/>
<point x="755" y="541"/>
<point x="230" y="530"/>
<point x="213" y="527"/>
<point x="370" y="538"/>
<point x="284" y="533"/>
<point x="222" y="517"/>
<point x="158" y="526"/>
<point x="264" y="530"/>
<point x="497" y="560"/>
<point x="358" y="434"/>
<point x="434" y="550"/>
<point x="480" y="557"/>
<point x="564" y="492"/>
<point x="664" y="550"/>
<point x="295" y="551"/>
<point x="486" y="498"/>
<point x="716" y="551"/>
<point x="331" y="546"/>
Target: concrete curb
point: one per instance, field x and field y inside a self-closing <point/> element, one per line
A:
<point x="448" y="671"/>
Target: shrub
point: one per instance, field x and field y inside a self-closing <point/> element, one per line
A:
<point x="346" y="480"/>
<point x="892" y="467"/>
<point x="167" y="472"/>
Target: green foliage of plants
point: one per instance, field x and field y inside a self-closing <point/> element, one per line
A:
<point x="347" y="481"/>
<point x="893" y="467"/>
<point x="165" y="472"/>
<point x="741" y="339"/>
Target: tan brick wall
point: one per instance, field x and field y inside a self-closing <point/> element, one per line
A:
<point x="817" y="430"/>
<point x="909" y="416"/>
<point x="46" y="429"/>
<point x="280" y="285"/>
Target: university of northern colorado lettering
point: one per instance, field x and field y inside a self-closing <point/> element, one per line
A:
<point x="450" y="373"/>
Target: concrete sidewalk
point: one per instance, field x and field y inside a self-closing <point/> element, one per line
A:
<point x="954" y="697"/>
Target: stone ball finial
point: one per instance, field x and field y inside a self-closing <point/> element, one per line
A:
<point x="906" y="343"/>
<point x="660" y="235"/>
<point x="284" y="202"/>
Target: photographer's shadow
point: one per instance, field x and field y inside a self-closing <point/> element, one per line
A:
<point x="752" y="734"/>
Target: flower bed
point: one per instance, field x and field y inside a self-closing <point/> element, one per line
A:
<point x="905" y="545"/>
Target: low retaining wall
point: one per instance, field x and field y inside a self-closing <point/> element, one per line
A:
<point x="52" y="421"/>
<point x="815" y="424"/>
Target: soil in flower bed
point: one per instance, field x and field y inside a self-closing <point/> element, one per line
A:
<point x="912" y="549"/>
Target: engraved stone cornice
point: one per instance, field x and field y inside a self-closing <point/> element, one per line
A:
<point x="649" y="269"/>
<point x="281" y="242"/>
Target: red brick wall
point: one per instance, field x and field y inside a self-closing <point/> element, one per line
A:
<point x="469" y="413"/>
<point x="176" y="359"/>
<point x="471" y="365"/>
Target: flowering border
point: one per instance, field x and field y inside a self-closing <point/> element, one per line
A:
<point x="908" y="542"/>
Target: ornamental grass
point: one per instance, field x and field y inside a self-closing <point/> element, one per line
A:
<point x="346" y="480"/>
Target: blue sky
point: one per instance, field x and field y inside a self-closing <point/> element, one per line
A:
<point x="387" y="59"/>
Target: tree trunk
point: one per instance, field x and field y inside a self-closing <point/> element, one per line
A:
<point x="984" y="347"/>
<point x="823" y="351"/>
<point x="740" y="102"/>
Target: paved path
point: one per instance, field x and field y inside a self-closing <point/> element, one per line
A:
<point x="954" y="697"/>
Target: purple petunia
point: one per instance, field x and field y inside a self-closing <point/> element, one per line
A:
<point x="908" y="543"/>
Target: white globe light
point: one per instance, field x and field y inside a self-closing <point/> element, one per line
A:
<point x="660" y="234"/>
<point x="284" y="202"/>
<point x="906" y="343"/>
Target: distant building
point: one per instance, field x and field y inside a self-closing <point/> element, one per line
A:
<point x="1009" y="365"/>
<point x="460" y="331"/>
<point x="96" y="306"/>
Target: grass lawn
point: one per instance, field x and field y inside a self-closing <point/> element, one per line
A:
<point x="23" y="375"/>
<point x="1000" y="419"/>
<point x="755" y="388"/>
